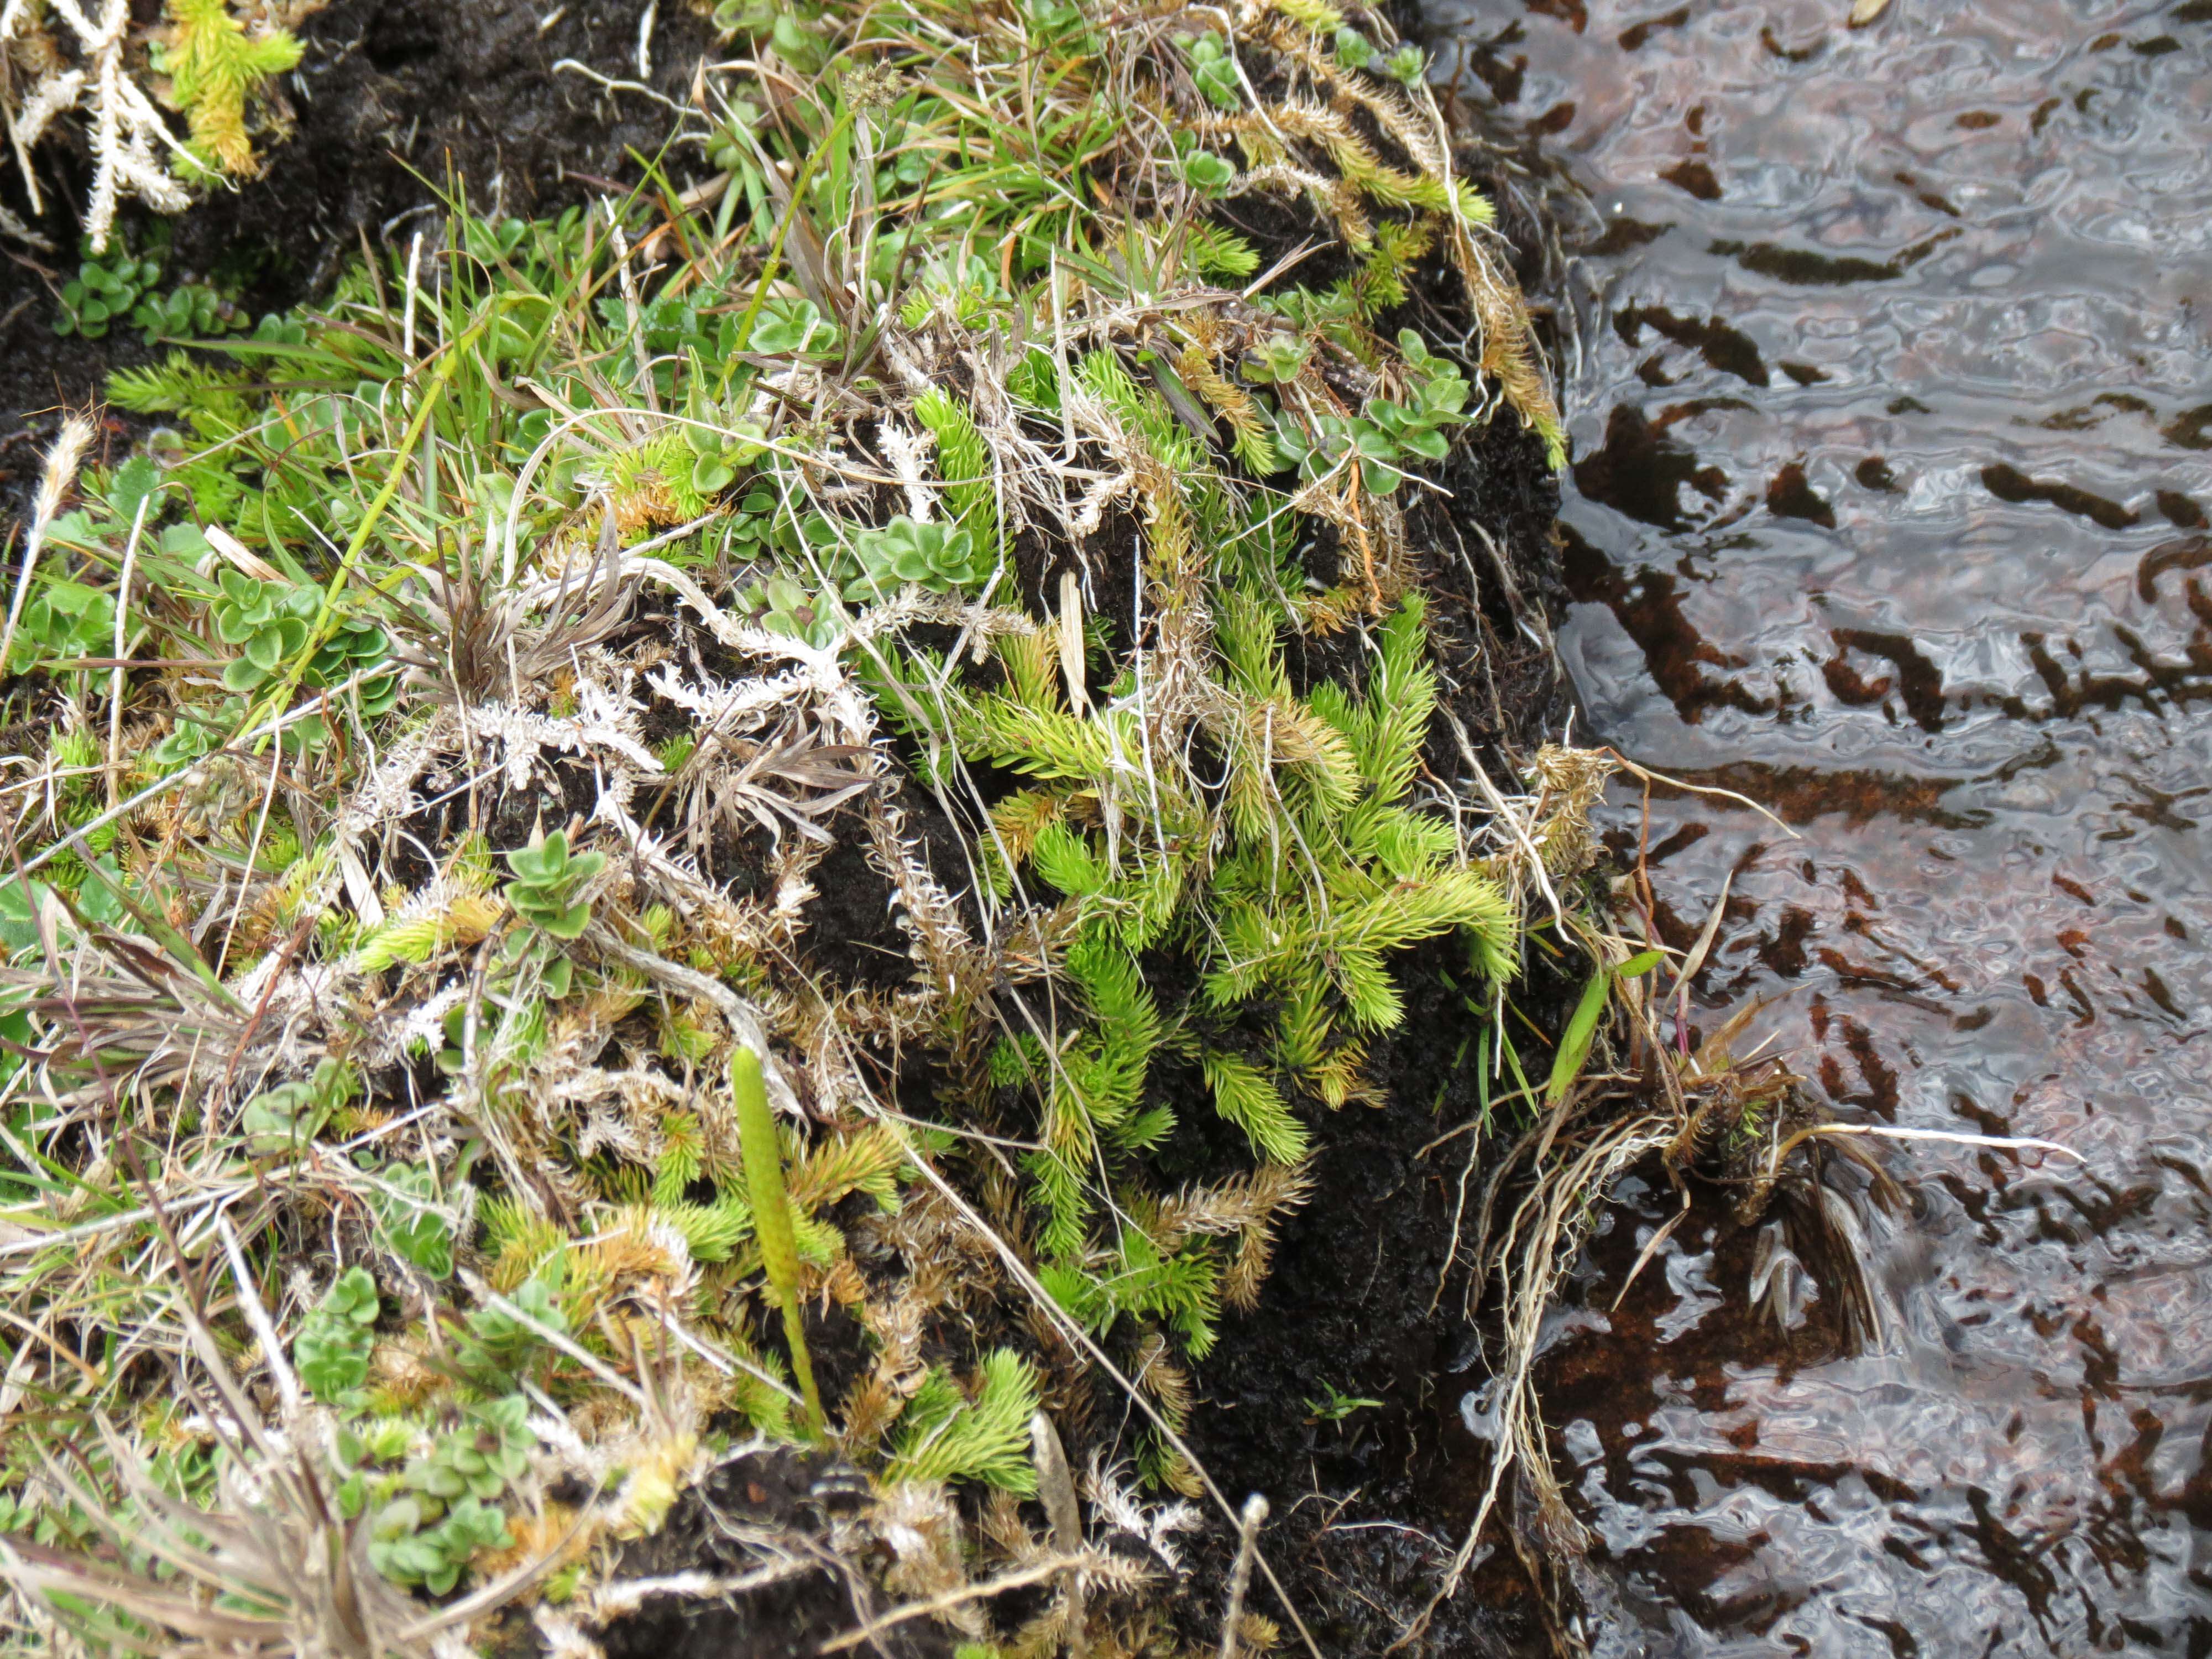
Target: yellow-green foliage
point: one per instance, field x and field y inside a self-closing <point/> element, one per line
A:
<point x="214" y="66"/>
<point x="945" y="1435"/>
<point x="772" y="1213"/>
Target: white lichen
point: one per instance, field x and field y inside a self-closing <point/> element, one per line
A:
<point x="130" y="140"/>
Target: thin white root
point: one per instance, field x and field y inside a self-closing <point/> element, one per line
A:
<point x="1240" y="1576"/>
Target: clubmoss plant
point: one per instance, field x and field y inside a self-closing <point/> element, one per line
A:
<point x="215" y="65"/>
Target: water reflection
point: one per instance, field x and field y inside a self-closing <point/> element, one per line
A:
<point x="1891" y="405"/>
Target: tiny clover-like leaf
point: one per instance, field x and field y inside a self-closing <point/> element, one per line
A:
<point x="409" y="1222"/>
<point x="234" y="626"/>
<point x="509" y="1417"/>
<point x="331" y="1352"/>
<point x="1426" y="442"/>
<point x="1213" y="68"/>
<point x="499" y="1344"/>
<point x="563" y="921"/>
<point x="544" y="859"/>
<point x="191" y="741"/>
<point x="905" y="551"/>
<point x="547" y="879"/>
<point x="784" y="607"/>
<point x="792" y="326"/>
<point x="952" y="555"/>
<point x="1444" y="395"/>
<point x="436" y="1477"/>
<point x="1207" y="173"/>
<point x="329" y="1361"/>
<point x="1276" y="362"/>
<point x="359" y="637"/>
<point x="281" y="1118"/>
<point x="483" y="1481"/>
<point x="444" y="1573"/>
<point x="402" y="1516"/>
<point x="474" y="1526"/>
<point x="352" y="1297"/>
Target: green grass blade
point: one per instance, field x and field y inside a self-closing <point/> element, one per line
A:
<point x="772" y="1215"/>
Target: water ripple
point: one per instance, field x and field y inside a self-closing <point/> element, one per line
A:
<point x="1892" y="430"/>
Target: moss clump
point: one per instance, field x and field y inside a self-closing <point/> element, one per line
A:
<point x="841" y="609"/>
<point x="214" y="67"/>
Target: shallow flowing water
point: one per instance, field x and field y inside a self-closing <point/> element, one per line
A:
<point x="1892" y="410"/>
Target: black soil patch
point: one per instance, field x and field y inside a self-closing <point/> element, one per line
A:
<point x="791" y="1498"/>
<point x="853" y="934"/>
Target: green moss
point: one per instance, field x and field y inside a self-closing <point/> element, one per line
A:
<point x="214" y="66"/>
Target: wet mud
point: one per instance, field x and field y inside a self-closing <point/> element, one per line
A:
<point x="1889" y="372"/>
